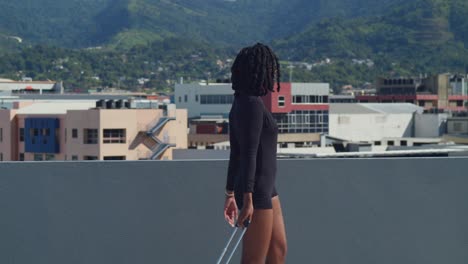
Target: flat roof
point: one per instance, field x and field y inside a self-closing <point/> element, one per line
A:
<point x="71" y="97"/>
<point x="374" y="108"/>
<point x="41" y="108"/>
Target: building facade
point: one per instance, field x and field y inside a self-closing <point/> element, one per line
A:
<point x="301" y="111"/>
<point x="81" y="131"/>
<point x="457" y="126"/>
<point x="441" y="92"/>
<point x="372" y="122"/>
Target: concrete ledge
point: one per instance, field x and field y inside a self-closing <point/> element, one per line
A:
<point x="359" y="211"/>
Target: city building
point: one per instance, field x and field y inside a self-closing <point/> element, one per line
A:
<point x="90" y="130"/>
<point x="301" y="111"/>
<point x="342" y="98"/>
<point x="444" y="92"/>
<point x="27" y="86"/>
<point x="372" y="122"/>
<point x="430" y="125"/>
<point x="457" y="130"/>
<point x="457" y="125"/>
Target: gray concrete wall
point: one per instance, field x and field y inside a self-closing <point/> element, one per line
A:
<point x="198" y="154"/>
<point x="359" y="211"/>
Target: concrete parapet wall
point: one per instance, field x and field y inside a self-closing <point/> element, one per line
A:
<point x="359" y="211"/>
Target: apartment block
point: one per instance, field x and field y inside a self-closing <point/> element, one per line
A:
<point x="301" y="111"/>
<point x="444" y="92"/>
<point x="89" y="130"/>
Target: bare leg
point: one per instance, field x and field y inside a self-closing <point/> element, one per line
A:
<point x="278" y="244"/>
<point x="257" y="238"/>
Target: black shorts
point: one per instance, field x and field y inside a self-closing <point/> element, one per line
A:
<point x="260" y="200"/>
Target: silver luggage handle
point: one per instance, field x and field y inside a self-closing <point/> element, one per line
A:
<point x="246" y="224"/>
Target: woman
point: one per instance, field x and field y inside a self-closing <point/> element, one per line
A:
<point x="252" y="166"/>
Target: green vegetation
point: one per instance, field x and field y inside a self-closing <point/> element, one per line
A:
<point x="337" y="41"/>
<point x="417" y="37"/>
<point x="162" y="62"/>
<point x="86" y="23"/>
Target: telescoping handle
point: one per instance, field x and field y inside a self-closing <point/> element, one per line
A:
<point x="246" y="224"/>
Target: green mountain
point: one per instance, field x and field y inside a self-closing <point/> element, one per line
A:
<point x="51" y="22"/>
<point x="84" y="23"/>
<point x="427" y="36"/>
<point x="9" y="43"/>
<point x="336" y="41"/>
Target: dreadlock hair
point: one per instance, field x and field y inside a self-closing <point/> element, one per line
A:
<point x="255" y="71"/>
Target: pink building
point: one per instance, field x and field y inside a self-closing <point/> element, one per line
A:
<point x="78" y="130"/>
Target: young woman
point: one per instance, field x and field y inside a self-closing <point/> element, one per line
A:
<point x="252" y="166"/>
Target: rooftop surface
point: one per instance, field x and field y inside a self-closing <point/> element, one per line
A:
<point x="56" y="107"/>
<point x="374" y="108"/>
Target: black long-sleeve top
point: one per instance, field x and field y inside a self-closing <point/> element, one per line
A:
<point x="253" y="136"/>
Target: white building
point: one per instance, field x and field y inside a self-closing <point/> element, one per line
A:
<point x="430" y="125"/>
<point x="27" y="86"/>
<point x="372" y="122"/>
<point x="202" y="99"/>
<point x="459" y="85"/>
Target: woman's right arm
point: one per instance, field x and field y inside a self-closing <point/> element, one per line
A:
<point x="249" y="132"/>
<point x="233" y="160"/>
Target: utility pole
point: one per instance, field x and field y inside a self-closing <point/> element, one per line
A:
<point x="290" y="71"/>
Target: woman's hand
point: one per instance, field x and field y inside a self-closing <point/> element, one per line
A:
<point x="230" y="210"/>
<point x="247" y="210"/>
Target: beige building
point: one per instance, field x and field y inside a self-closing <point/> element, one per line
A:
<point x="78" y="130"/>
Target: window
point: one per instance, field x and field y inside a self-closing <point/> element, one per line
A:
<point x="115" y="158"/>
<point x="391" y="143"/>
<point x="90" y="136"/>
<point x="74" y="157"/>
<point x="38" y="157"/>
<point x="74" y="133"/>
<point x="281" y="101"/>
<point x="90" y="158"/>
<point x="217" y="99"/>
<point x="298" y="99"/>
<point x="309" y="99"/>
<point x="21" y="134"/>
<point x="180" y="99"/>
<point x="115" y="136"/>
<point x="1" y="134"/>
<point x="185" y="98"/>
<point x="65" y="135"/>
<point x="45" y="132"/>
<point x="49" y="157"/>
<point x="196" y="98"/>
<point x="1" y="156"/>
<point x="21" y="157"/>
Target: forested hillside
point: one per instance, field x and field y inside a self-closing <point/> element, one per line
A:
<point x="83" y="23"/>
<point x="337" y="41"/>
<point x="416" y="37"/>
